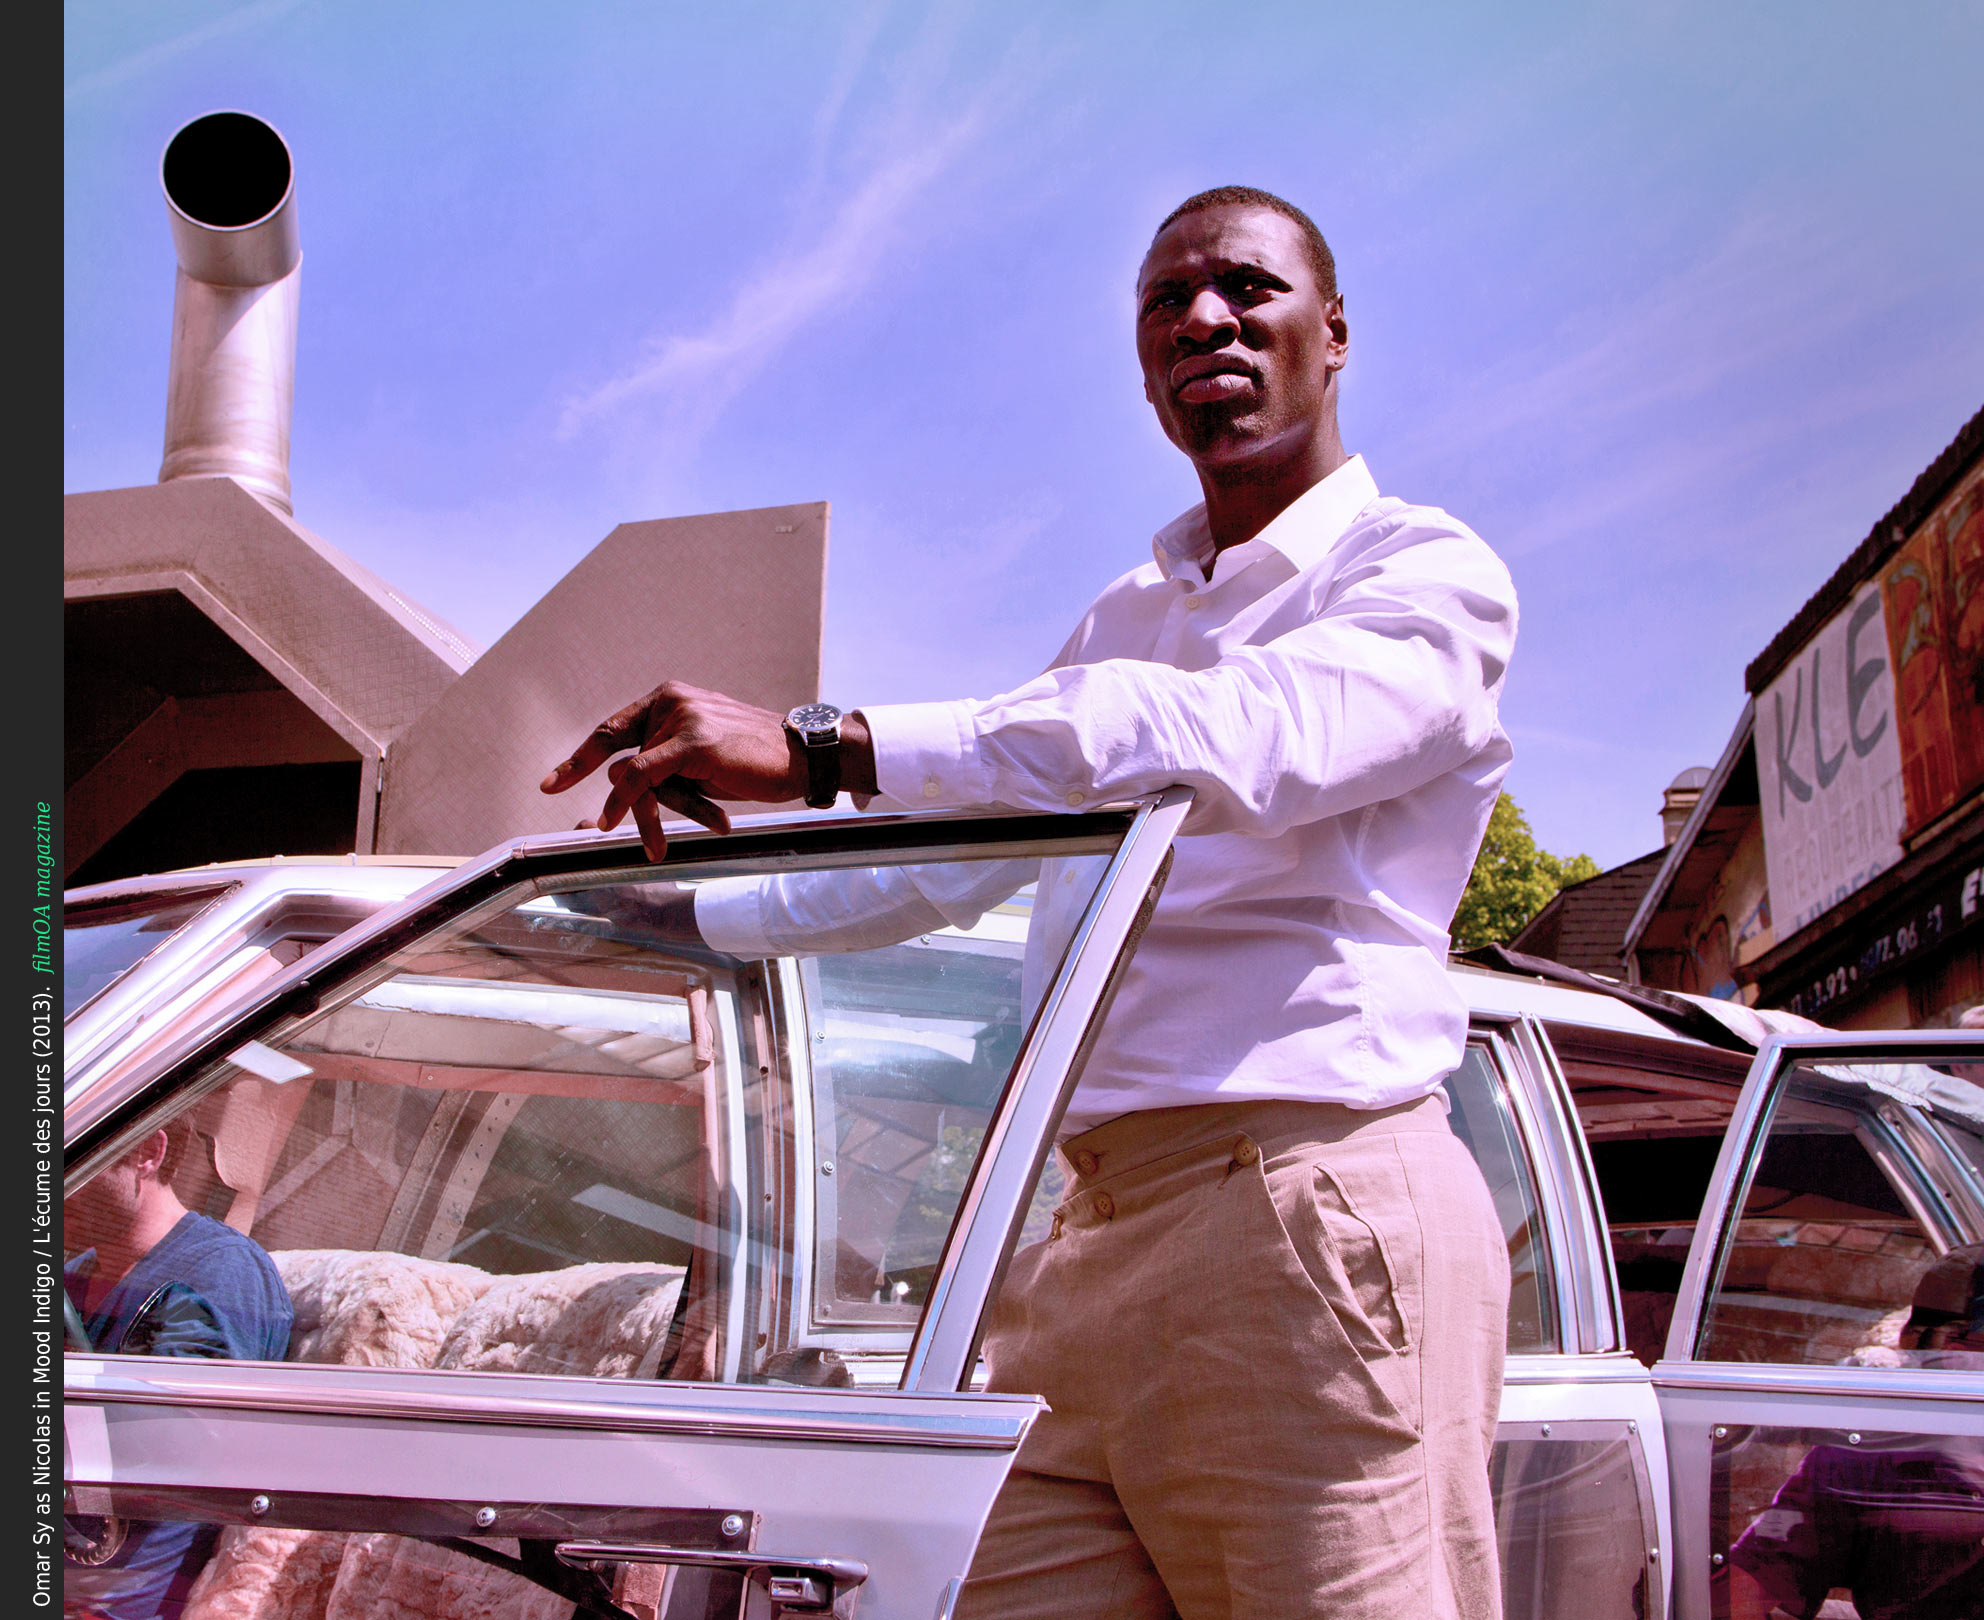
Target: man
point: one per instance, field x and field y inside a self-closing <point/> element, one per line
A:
<point x="154" y="1278"/>
<point x="1270" y="1323"/>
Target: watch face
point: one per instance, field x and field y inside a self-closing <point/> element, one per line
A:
<point x="813" y="717"/>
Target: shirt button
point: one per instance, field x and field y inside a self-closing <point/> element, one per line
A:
<point x="1086" y="1163"/>
<point x="930" y="789"/>
<point x="1244" y="1152"/>
<point x="1077" y="797"/>
<point x="1194" y="603"/>
<point x="1105" y="1206"/>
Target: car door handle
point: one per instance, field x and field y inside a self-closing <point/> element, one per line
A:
<point x="794" y="1585"/>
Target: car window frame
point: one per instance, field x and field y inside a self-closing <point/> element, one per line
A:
<point x="1715" y="1229"/>
<point x="105" y="1120"/>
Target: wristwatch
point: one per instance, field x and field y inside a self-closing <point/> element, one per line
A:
<point x="817" y="726"/>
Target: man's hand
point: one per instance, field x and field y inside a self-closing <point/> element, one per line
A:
<point x="693" y="747"/>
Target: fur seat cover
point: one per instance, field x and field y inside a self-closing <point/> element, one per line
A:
<point x="365" y="1309"/>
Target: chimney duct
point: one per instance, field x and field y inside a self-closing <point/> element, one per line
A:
<point x="230" y="195"/>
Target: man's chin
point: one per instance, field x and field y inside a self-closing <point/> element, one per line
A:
<point x="1222" y="436"/>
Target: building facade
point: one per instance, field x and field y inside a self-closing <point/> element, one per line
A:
<point x="1834" y="864"/>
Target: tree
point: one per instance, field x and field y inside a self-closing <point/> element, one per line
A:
<point x="1512" y="880"/>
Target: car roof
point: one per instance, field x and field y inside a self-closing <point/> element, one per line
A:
<point x="1488" y="992"/>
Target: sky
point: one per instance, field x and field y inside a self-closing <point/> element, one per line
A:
<point x="1668" y="301"/>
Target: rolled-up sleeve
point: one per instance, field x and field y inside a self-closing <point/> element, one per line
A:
<point x="1395" y="681"/>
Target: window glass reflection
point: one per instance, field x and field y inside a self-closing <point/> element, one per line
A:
<point x="1850" y="1526"/>
<point x="1865" y="1186"/>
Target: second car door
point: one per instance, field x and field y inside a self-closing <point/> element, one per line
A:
<point x="1823" y="1386"/>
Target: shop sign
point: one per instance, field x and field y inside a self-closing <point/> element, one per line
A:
<point x="1861" y="959"/>
<point x="1829" y="766"/>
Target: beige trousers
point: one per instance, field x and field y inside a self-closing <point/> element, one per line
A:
<point x="1271" y="1334"/>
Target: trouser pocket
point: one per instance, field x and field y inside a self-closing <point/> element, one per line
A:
<point x="1347" y="1217"/>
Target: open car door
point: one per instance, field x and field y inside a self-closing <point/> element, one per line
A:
<point x="541" y="1259"/>
<point x="1822" y="1390"/>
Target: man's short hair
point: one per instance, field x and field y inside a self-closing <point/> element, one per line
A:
<point x="1951" y="1293"/>
<point x="1321" y="260"/>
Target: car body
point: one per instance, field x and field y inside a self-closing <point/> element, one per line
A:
<point x="701" y="1248"/>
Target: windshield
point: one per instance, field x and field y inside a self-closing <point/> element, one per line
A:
<point x="104" y="941"/>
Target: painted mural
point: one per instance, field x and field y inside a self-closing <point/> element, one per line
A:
<point x="1732" y="926"/>
<point x="1934" y="590"/>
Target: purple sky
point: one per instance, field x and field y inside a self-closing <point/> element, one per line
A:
<point x="1669" y="301"/>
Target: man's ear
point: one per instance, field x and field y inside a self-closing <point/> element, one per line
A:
<point x="1339" y="333"/>
<point x="148" y="1157"/>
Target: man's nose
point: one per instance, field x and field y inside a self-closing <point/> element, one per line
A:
<point x="1208" y="321"/>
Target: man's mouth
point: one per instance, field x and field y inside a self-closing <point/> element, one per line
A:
<point x="1202" y="379"/>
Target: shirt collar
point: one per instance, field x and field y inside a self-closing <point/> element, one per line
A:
<point x="1304" y="531"/>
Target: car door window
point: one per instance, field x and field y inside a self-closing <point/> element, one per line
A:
<point x="557" y="1139"/>
<point x="1852" y="1240"/>
<point x="910" y="1047"/>
<point x="1861" y="1183"/>
<point x="1653" y="1113"/>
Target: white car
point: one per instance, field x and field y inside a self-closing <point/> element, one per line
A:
<point x="631" y="1279"/>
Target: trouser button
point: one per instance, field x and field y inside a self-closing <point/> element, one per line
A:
<point x="1244" y="1152"/>
<point x="1105" y="1206"/>
<point x="1086" y="1163"/>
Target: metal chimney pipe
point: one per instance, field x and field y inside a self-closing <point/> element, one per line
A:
<point x="230" y="196"/>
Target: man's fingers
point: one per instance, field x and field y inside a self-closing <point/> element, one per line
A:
<point x="680" y="794"/>
<point x="647" y="817"/>
<point x="638" y="776"/>
<point x="626" y="729"/>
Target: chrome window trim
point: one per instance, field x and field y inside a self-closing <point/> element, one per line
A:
<point x="1713" y="1228"/>
<point x="1603" y="1367"/>
<point x="1593" y="1275"/>
<point x="1896" y="1158"/>
<point x="797" y="996"/>
<point x="1941" y="1174"/>
<point x="1852" y="1383"/>
<point x="1019" y="1135"/>
<point x="82" y="1025"/>
<point x="254" y="904"/>
<point x="1500" y="1036"/>
<point x="736" y="1411"/>
<point x="1968" y="1188"/>
<point x="736" y="1181"/>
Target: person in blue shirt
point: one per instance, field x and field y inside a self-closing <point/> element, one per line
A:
<point x="155" y="1278"/>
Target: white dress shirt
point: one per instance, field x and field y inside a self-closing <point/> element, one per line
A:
<point x="1331" y="694"/>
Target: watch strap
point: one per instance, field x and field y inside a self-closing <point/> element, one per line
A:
<point x="822" y="770"/>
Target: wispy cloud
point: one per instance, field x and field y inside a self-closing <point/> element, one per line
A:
<point x="141" y="62"/>
<point x="695" y="374"/>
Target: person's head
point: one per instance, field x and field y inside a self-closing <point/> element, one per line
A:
<point x="129" y="1200"/>
<point x="1948" y="1309"/>
<point x="1240" y="329"/>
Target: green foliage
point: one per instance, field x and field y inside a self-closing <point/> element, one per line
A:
<point x="1512" y="880"/>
